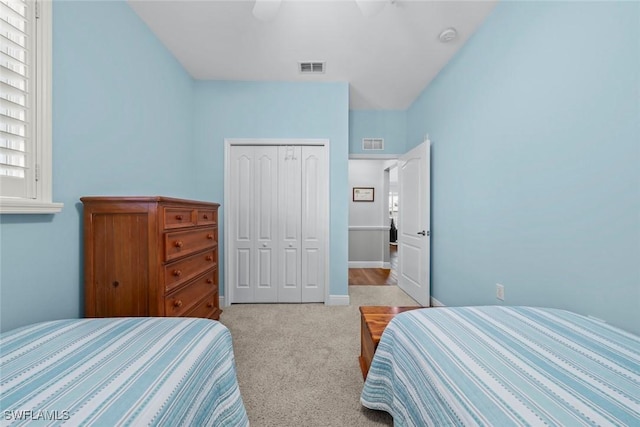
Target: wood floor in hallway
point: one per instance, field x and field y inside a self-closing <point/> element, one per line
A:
<point x="376" y="276"/>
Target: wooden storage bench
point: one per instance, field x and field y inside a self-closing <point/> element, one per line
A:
<point x="373" y="320"/>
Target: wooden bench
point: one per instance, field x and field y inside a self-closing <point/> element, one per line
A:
<point x="373" y="321"/>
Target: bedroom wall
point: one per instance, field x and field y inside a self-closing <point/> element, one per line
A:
<point x="233" y="109"/>
<point x="536" y="147"/>
<point x="388" y="124"/>
<point x="122" y="108"/>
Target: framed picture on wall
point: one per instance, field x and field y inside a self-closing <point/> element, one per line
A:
<point x="363" y="194"/>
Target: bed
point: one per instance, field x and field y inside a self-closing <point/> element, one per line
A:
<point x="504" y="366"/>
<point x="120" y="371"/>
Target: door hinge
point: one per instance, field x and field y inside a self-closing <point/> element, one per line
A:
<point x="37" y="10"/>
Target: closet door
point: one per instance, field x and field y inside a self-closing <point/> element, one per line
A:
<point x="253" y="223"/>
<point x="314" y="195"/>
<point x="289" y="225"/>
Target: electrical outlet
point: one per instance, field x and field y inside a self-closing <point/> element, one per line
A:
<point x="500" y="291"/>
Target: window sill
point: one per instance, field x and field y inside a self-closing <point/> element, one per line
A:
<point x="22" y="206"/>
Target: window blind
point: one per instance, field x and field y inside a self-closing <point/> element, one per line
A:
<point x="16" y="41"/>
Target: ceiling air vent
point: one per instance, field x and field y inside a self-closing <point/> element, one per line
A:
<point x="311" y="67"/>
<point x="373" y="143"/>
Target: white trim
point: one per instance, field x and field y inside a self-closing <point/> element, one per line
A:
<point x="436" y="303"/>
<point x="368" y="264"/>
<point x="338" y="300"/>
<point x="28" y="206"/>
<point x="365" y="156"/>
<point x="228" y="142"/>
<point x="221" y="301"/>
<point x="369" y="227"/>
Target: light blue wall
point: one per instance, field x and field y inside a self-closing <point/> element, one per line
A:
<point x="277" y="110"/>
<point x="122" y="108"/>
<point x="388" y="124"/>
<point x="536" y="161"/>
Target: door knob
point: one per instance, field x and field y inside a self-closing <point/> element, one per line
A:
<point x="423" y="233"/>
<point x="264" y="245"/>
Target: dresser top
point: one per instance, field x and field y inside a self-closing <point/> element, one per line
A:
<point x="143" y="199"/>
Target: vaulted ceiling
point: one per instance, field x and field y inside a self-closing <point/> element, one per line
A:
<point x="387" y="58"/>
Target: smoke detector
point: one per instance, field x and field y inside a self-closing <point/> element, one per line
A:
<point x="448" y="35"/>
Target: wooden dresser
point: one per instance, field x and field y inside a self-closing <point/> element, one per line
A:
<point x="150" y="256"/>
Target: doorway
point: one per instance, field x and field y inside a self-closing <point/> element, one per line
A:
<point x="373" y="254"/>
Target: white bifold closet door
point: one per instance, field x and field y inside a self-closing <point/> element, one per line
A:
<point x="276" y="221"/>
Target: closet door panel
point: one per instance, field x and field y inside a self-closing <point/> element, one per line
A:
<point x="266" y="215"/>
<point x="314" y="182"/>
<point x="241" y="223"/>
<point x="289" y="192"/>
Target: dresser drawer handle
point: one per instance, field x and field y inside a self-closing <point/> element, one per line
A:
<point x="179" y="217"/>
<point x="178" y="243"/>
<point x="209" y="304"/>
<point x="177" y="273"/>
<point x="205" y="216"/>
<point x="116" y="284"/>
<point x="210" y="236"/>
<point x="209" y="258"/>
<point x="177" y="303"/>
<point x="209" y="281"/>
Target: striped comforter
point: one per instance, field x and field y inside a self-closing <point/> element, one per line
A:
<point x="504" y="366"/>
<point x="120" y="371"/>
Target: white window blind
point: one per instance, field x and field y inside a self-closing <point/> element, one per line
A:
<point x="16" y="171"/>
<point x="25" y="107"/>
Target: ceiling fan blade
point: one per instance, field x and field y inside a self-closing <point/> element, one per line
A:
<point x="266" y="10"/>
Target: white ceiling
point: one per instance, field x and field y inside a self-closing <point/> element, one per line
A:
<point x="388" y="59"/>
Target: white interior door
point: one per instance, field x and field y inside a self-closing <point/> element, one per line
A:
<point x="314" y="194"/>
<point x="413" y="223"/>
<point x="290" y="201"/>
<point x="254" y="224"/>
<point x="277" y="223"/>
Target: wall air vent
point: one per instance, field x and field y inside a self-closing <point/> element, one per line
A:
<point x="314" y="67"/>
<point x="373" y="143"/>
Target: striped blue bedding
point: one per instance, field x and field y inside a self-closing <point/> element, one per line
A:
<point x="504" y="366"/>
<point x="120" y="371"/>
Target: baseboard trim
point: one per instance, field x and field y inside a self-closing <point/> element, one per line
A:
<point x="338" y="300"/>
<point x="221" y="301"/>
<point x="436" y="303"/>
<point x="368" y="264"/>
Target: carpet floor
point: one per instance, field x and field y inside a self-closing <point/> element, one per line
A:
<point x="298" y="363"/>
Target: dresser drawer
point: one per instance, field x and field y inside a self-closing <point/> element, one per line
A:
<point x="178" y="217"/>
<point x="186" y="298"/>
<point x="180" y="243"/>
<point x="207" y="217"/>
<point x="207" y="308"/>
<point x="179" y="272"/>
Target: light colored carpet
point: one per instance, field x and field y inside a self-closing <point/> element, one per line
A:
<point x="298" y="363"/>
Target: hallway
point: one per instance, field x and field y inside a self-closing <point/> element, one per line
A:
<point x="376" y="276"/>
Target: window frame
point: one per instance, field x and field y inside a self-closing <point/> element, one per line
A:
<point x="41" y="201"/>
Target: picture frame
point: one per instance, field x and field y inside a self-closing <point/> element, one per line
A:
<point x="363" y="194"/>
